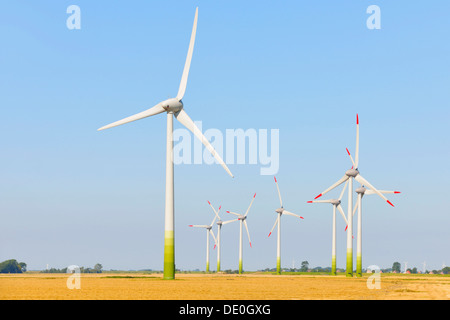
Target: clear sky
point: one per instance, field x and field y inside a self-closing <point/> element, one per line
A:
<point x="72" y="195"/>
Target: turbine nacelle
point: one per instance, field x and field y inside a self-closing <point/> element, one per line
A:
<point x="335" y="202"/>
<point x="352" y="173"/>
<point x="361" y="190"/>
<point x="242" y="217"/>
<point x="172" y="105"/>
<point x="279" y="210"/>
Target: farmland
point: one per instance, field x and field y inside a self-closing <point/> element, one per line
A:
<point x="197" y="286"/>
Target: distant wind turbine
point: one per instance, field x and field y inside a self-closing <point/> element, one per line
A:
<point x="350" y="175"/>
<point x="243" y="221"/>
<point x="336" y="204"/>
<point x="361" y="191"/>
<point x="219" y="223"/>
<point x="208" y="232"/>
<point x="280" y="211"/>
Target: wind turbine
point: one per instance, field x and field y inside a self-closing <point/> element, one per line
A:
<point x="350" y="175"/>
<point x="361" y="191"/>
<point x="243" y="221"/>
<point x="219" y="223"/>
<point x="336" y="204"/>
<point x="280" y="211"/>
<point x="173" y="107"/>
<point x="208" y="232"/>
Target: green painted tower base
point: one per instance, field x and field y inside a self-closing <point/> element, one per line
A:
<point x="169" y="256"/>
<point x="358" y="266"/>
<point x="349" y="269"/>
<point x="278" y="266"/>
<point x="333" y="266"/>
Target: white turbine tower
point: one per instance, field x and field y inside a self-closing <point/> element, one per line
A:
<point x="361" y="191"/>
<point x="219" y="223"/>
<point x="336" y="204"/>
<point x="243" y="221"/>
<point x="350" y="175"/>
<point x="173" y="107"/>
<point x="208" y="232"/>
<point x="280" y="211"/>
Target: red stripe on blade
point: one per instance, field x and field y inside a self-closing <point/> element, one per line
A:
<point x="318" y="196"/>
<point x="390" y="203"/>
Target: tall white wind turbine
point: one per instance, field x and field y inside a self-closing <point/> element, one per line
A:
<point x="280" y="211"/>
<point x="219" y="223"/>
<point x="208" y="232"/>
<point x="173" y="107"/>
<point x="361" y="191"/>
<point x="243" y="221"/>
<point x="350" y="175"/>
<point x="336" y="204"/>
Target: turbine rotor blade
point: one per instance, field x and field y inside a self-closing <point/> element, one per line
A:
<point x="250" y="205"/>
<point x="187" y="65"/>
<point x="276" y="222"/>
<point x="215" y="212"/>
<point x="363" y="181"/>
<point x="214" y="237"/>
<point x="351" y="158"/>
<point x="320" y="201"/>
<point x="340" y="181"/>
<point x="183" y="117"/>
<point x="279" y="194"/>
<point x="236" y="214"/>
<point x="355" y="207"/>
<point x="343" y="190"/>
<point x="213" y="221"/>
<point x="248" y="234"/>
<point x="370" y="191"/>
<point x="198" y="226"/>
<point x="229" y="221"/>
<point x="342" y="213"/>
<point x="144" y="114"/>
<point x="292" y="214"/>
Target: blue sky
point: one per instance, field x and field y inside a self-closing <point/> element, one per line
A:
<point x="72" y="195"/>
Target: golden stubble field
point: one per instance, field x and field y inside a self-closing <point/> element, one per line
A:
<point x="251" y="286"/>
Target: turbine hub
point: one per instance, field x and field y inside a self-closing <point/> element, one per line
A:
<point x="172" y="105"/>
<point x="335" y="202"/>
<point x="352" y="173"/>
<point x="279" y="210"/>
<point x="242" y="217"/>
<point x="219" y="223"/>
<point x="361" y="190"/>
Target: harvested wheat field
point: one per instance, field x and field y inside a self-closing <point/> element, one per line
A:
<point x="250" y="286"/>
